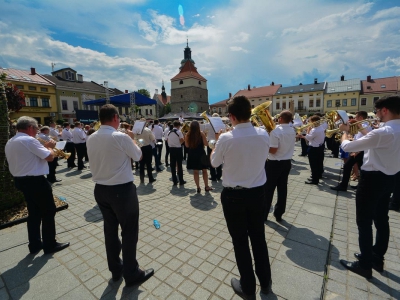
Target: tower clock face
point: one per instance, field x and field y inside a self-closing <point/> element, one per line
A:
<point x="192" y="107"/>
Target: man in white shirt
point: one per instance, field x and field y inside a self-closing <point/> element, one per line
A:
<point x="55" y="135"/>
<point x="44" y="135"/>
<point x="243" y="196"/>
<point x="79" y="139"/>
<point x="381" y="164"/>
<point x="355" y="157"/>
<point x="27" y="161"/>
<point x="148" y="138"/>
<point x="110" y="153"/>
<point x="316" y="137"/>
<point x="175" y="140"/>
<point x="215" y="173"/>
<point x="69" y="146"/>
<point x="167" y="129"/>
<point x="282" y="141"/>
<point x="158" y="134"/>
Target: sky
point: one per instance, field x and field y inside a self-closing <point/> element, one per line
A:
<point x="136" y="44"/>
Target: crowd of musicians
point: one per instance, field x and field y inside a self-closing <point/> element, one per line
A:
<point x="369" y="151"/>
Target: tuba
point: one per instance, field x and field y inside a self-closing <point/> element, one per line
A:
<point x="185" y="127"/>
<point x="261" y="111"/>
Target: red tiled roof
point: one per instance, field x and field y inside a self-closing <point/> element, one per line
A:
<point x="25" y="76"/>
<point x="263" y="91"/>
<point x="379" y="85"/>
<point x="188" y="71"/>
<point x="164" y="100"/>
<point x="221" y="103"/>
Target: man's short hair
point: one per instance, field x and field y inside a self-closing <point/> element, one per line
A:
<point x="156" y="122"/>
<point x="315" y="118"/>
<point x="177" y="123"/>
<point x="390" y="102"/>
<point x="25" y="121"/>
<point x="286" y="116"/>
<point x="44" y="128"/>
<point x="107" y="113"/>
<point x="77" y="124"/>
<point x="363" y="114"/>
<point x="240" y="107"/>
<point x="66" y="124"/>
<point x="215" y="115"/>
<point x="72" y="126"/>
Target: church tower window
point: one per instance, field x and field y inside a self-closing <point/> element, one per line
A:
<point x="181" y="82"/>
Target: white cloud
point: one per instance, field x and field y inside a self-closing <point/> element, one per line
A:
<point x="393" y="12"/>
<point x="196" y="15"/>
<point x="241" y="37"/>
<point x="238" y="49"/>
<point x="270" y="35"/>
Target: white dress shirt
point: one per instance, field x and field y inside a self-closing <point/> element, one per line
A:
<point x="66" y="135"/>
<point x="26" y="156"/>
<point x="316" y="136"/>
<point x="166" y="131"/>
<point x="54" y="134"/>
<point x="324" y="126"/>
<point x="282" y="137"/>
<point x="110" y="153"/>
<point x="381" y="148"/>
<point x="174" y="139"/>
<point x="158" y="132"/>
<point x="243" y="151"/>
<point x="43" y="137"/>
<point x="78" y="136"/>
<point x="147" y="136"/>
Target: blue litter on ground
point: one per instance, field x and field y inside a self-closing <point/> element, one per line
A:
<point x="156" y="224"/>
<point x="62" y="198"/>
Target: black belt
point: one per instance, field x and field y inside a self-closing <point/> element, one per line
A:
<point x="115" y="185"/>
<point x="237" y="188"/>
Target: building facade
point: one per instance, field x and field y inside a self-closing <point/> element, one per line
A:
<point x="342" y="95"/>
<point x="258" y="95"/>
<point x="189" y="91"/>
<point x="40" y="95"/>
<point x="374" y="89"/>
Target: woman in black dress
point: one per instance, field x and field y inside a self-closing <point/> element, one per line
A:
<point x="195" y="140"/>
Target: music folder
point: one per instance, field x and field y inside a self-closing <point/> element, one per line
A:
<point x="217" y="124"/>
<point x="61" y="145"/>
<point x="138" y="127"/>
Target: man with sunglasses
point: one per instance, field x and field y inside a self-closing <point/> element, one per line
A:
<point x="381" y="164"/>
<point x="27" y="160"/>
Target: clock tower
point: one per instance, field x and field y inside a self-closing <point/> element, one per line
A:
<point x="189" y="92"/>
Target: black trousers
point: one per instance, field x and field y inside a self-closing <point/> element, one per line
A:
<point x="159" y="150"/>
<point x="41" y="208"/>
<point x="372" y="205"/>
<point x="215" y="173"/>
<point x="166" y="152"/>
<point x="348" y="166"/>
<point x="304" y="146"/>
<point x="396" y="190"/>
<point x="176" y="161"/>
<point x="52" y="169"/>
<point x="86" y="156"/>
<point x="277" y="177"/>
<point x="185" y="151"/>
<point x="244" y="212"/>
<point x="119" y="206"/>
<point x="70" y="148"/>
<point x="316" y="160"/>
<point x="80" y="151"/>
<point x="147" y="153"/>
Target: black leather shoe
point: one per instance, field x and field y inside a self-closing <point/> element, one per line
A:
<point x="237" y="288"/>
<point x="311" y="182"/>
<point x="152" y="180"/>
<point x="56" y="248"/>
<point x="116" y="276"/>
<point x="142" y="278"/>
<point x="182" y="182"/>
<point x="267" y="289"/>
<point x="377" y="266"/>
<point x="338" y="188"/>
<point x="175" y="183"/>
<point x="356" y="268"/>
<point x="278" y="218"/>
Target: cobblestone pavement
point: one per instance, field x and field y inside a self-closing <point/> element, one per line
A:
<point x="192" y="251"/>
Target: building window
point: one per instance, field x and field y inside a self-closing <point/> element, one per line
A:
<point x="69" y="75"/>
<point x="376" y="99"/>
<point x="318" y="103"/>
<point x="199" y="82"/>
<point x="266" y="98"/>
<point x="278" y="105"/>
<point x="214" y="109"/>
<point x="284" y="97"/>
<point x="284" y="105"/>
<point x="44" y="89"/>
<point x="300" y="96"/>
<point x="300" y="105"/>
<point x="33" y="101"/>
<point x="353" y="101"/>
<point x="151" y="111"/>
<point x="337" y="103"/>
<point x="219" y="110"/>
<point x="363" y="101"/>
<point x="32" y="88"/>
<point x="21" y="87"/>
<point x="76" y="107"/>
<point x="181" y="96"/>
<point x="64" y="104"/>
<point x="344" y="102"/>
<point x="120" y="110"/>
<point x="147" y="111"/>
<point x="311" y="103"/>
<point x="329" y="103"/>
<point x="181" y="82"/>
<point x="126" y="110"/>
<point x="45" y="102"/>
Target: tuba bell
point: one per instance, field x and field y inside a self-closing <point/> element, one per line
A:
<point x="261" y="112"/>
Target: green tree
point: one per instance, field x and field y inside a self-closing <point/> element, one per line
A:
<point x="9" y="195"/>
<point x="144" y="92"/>
<point x="167" y="108"/>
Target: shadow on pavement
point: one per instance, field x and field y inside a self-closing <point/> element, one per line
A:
<point x="93" y="215"/>
<point x="20" y="275"/>
<point x="145" y="188"/>
<point x="86" y="176"/>
<point x="203" y="202"/>
<point x="111" y="290"/>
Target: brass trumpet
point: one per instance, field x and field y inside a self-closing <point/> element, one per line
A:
<point x="353" y="129"/>
<point x="313" y="124"/>
<point x="57" y="152"/>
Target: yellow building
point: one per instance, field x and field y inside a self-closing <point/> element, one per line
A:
<point x="374" y="89"/>
<point x="342" y="95"/>
<point x="40" y="95"/>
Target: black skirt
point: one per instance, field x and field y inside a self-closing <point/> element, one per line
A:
<point x="197" y="158"/>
